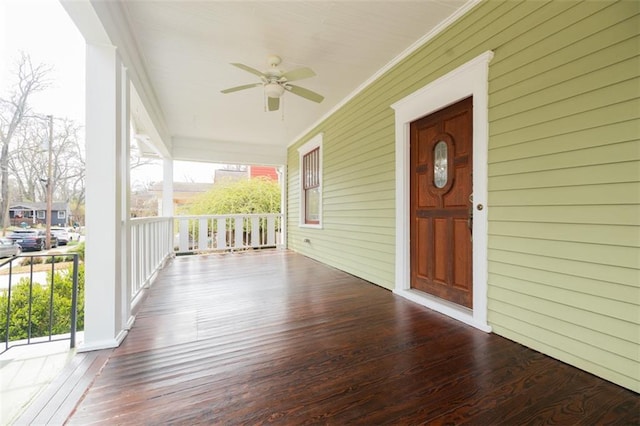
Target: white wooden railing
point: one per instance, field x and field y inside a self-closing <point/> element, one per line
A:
<point x="228" y="232"/>
<point x="156" y="239"/>
<point x="151" y="246"/>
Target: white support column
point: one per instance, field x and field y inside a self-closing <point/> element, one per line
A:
<point x="167" y="187"/>
<point x="124" y="166"/>
<point x="104" y="299"/>
<point x="282" y="178"/>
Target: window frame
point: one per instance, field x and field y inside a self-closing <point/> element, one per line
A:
<point x="62" y="214"/>
<point x="313" y="144"/>
<point x="41" y="214"/>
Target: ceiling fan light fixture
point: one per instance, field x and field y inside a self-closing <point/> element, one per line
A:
<point x="275" y="82"/>
<point x="273" y="90"/>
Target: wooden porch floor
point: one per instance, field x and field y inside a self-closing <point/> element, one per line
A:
<point x="274" y="337"/>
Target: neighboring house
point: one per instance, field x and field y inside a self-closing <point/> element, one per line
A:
<point x="249" y="172"/>
<point x="264" y="171"/>
<point x="526" y="113"/>
<point x="226" y="175"/>
<point x="183" y="193"/>
<point x="36" y="213"/>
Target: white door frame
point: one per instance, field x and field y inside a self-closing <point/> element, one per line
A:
<point x="470" y="79"/>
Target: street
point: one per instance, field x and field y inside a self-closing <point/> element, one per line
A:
<point x="38" y="277"/>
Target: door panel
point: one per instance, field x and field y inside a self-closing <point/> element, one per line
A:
<point x="462" y="245"/>
<point x="441" y="186"/>
<point x="440" y="256"/>
<point x="424" y="235"/>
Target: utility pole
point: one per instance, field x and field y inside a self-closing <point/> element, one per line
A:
<point x="49" y="183"/>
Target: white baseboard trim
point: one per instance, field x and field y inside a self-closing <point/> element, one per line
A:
<point x="452" y="310"/>
<point x="104" y="344"/>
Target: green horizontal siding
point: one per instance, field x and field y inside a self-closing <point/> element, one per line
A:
<point x="604" y="254"/>
<point x="611" y="274"/>
<point x="575" y="161"/>
<point x="618" y="193"/>
<point x="564" y="191"/>
<point x="582" y="214"/>
<point x="615" y="235"/>
<point x="564" y="175"/>
<point x="589" y="137"/>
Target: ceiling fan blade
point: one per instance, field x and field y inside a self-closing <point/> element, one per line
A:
<point x="235" y="89"/>
<point x="298" y="74"/>
<point x="249" y="69"/>
<point x="305" y="93"/>
<point x="273" y="104"/>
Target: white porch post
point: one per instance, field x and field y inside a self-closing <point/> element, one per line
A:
<point x="282" y="177"/>
<point x="167" y="188"/>
<point x="124" y="166"/>
<point x="106" y="298"/>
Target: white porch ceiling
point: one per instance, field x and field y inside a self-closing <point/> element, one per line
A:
<point x="181" y="53"/>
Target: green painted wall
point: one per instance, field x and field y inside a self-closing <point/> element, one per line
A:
<point x="564" y="175"/>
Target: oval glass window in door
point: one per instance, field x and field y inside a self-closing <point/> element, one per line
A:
<point x="440" y="163"/>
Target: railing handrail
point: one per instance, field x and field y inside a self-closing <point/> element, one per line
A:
<point x="150" y="219"/>
<point x="227" y="216"/>
<point x="199" y="216"/>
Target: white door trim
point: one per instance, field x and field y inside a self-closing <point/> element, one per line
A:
<point x="470" y="79"/>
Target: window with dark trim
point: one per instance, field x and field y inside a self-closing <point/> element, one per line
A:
<point x="311" y="183"/>
<point x="311" y="186"/>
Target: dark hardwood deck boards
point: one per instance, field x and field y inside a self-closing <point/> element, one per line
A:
<point x="274" y="337"/>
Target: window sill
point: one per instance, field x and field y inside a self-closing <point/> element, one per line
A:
<point x="310" y="225"/>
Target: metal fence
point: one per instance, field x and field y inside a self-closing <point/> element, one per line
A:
<point x="37" y="312"/>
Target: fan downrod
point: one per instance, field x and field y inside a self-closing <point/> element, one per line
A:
<point x="274" y="60"/>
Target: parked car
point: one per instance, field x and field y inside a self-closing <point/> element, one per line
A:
<point x="9" y="248"/>
<point x="62" y="235"/>
<point x="32" y="239"/>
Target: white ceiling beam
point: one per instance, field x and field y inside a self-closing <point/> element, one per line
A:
<point x="227" y="152"/>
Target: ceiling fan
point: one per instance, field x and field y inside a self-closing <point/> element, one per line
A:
<point x="275" y="82"/>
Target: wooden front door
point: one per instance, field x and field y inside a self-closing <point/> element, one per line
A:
<point x="441" y="201"/>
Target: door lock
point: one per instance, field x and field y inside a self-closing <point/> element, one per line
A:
<point x="480" y="207"/>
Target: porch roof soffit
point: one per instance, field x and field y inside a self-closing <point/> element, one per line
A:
<point x="178" y="61"/>
<point x="232" y="152"/>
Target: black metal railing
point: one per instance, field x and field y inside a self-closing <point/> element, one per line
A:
<point x="39" y="312"/>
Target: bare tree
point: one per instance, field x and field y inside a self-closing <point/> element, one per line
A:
<point x="28" y="160"/>
<point x="25" y="161"/>
<point x="137" y="160"/>
<point x="69" y="161"/>
<point x="70" y="168"/>
<point x="30" y="79"/>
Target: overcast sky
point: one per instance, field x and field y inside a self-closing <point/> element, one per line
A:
<point x="42" y="29"/>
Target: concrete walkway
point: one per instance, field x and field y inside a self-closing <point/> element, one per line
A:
<point x="25" y="371"/>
